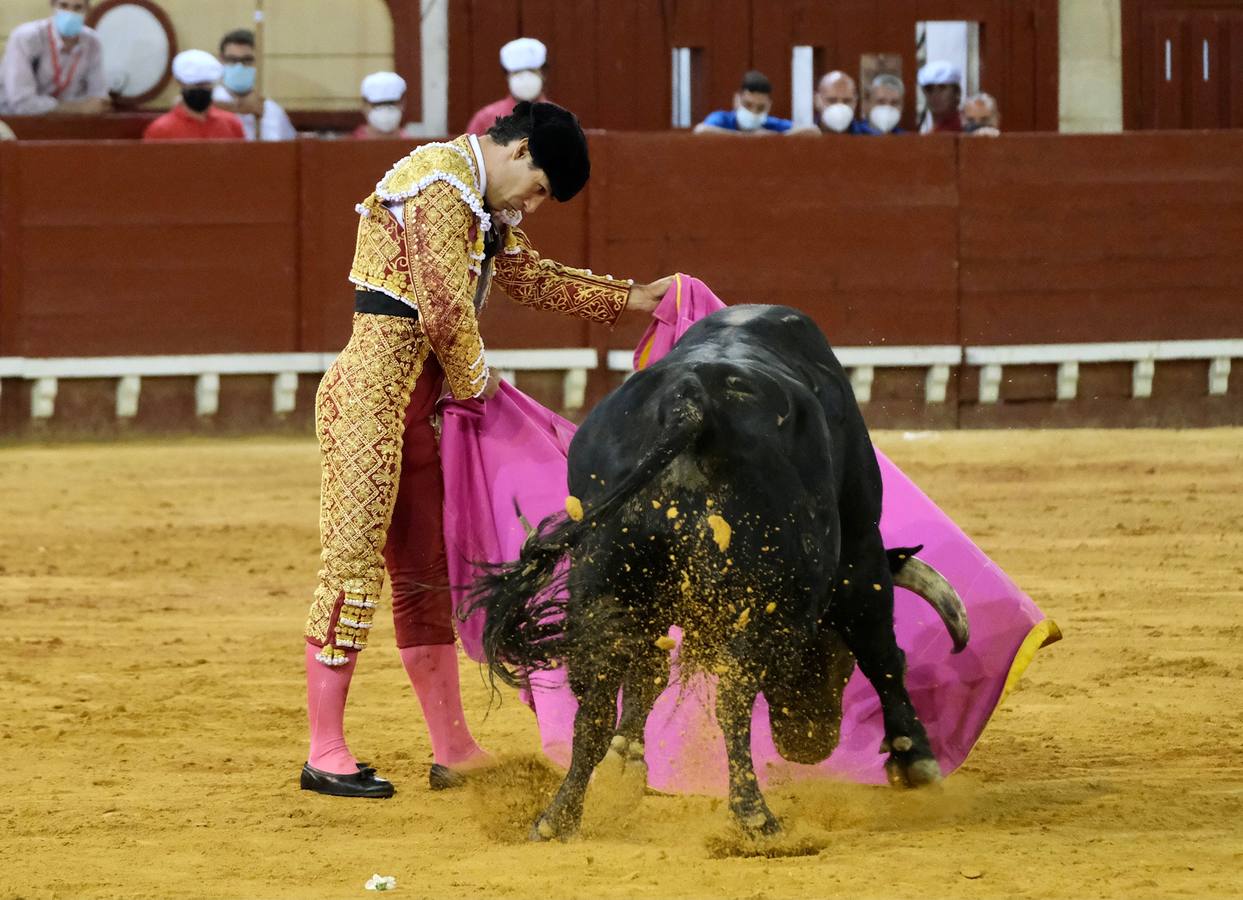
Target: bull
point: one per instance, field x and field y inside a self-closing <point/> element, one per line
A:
<point x="729" y="489"/>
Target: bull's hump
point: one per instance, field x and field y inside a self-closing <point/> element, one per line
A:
<point x="746" y="313"/>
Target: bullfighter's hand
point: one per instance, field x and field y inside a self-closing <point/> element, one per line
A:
<point x="646" y="297"/>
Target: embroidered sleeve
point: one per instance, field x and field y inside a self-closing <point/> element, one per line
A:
<point x="442" y="272"/>
<point x="546" y="284"/>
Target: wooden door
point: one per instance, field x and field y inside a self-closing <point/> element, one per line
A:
<point x="1183" y="64"/>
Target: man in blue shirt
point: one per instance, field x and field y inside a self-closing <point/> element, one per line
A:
<point x="750" y="113"/>
<point x="837" y="103"/>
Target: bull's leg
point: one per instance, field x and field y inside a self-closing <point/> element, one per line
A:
<point x="862" y="611"/>
<point x="805" y="699"/>
<point x="645" y="679"/>
<point x="593" y="724"/>
<point x="735" y="700"/>
<point x="621" y="777"/>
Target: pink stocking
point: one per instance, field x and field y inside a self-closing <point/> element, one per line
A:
<point x="326" y="689"/>
<point x="433" y="673"/>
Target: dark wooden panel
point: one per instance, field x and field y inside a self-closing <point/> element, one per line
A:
<point x="493" y="23"/>
<point x="1232" y="54"/>
<point x="1105" y="380"/>
<point x="462" y="86"/>
<point x="772" y="39"/>
<point x="574" y="52"/>
<point x="723" y="30"/>
<point x="1022" y="384"/>
<point x="650" y="95"/>
<point x="1101" y="237"/>
<point x="618" y="27"/>
<point x="1166" y="106"/>
<point x="408" y="51"/>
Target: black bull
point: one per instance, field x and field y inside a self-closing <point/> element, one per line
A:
<point x="730" y="489"/>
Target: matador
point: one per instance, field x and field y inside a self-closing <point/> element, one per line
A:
<point x="441" y="226"/>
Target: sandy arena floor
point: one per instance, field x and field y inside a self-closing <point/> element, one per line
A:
<point x="153" y="720"/>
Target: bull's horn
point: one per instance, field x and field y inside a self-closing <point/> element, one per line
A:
<point x="526" y="524"/>
<point x="920" y="578"/>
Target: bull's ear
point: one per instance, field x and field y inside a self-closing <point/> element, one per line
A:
<point x="898" y="556"/>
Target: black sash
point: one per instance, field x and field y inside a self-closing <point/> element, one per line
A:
<point x="378" y="304"/>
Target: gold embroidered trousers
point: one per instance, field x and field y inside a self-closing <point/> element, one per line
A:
<point x="359" y="415"/>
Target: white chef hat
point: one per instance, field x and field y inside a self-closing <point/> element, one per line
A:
<point x="196" y="67"/>
<point x="940" y="72"/>
<point x="383" y="87"/>
<point x="524" y="53"/>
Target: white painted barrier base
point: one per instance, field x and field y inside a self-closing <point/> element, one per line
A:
<point x="576" y="363"/>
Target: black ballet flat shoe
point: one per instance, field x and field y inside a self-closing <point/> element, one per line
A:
<point x="442" y="778"/>
<point x="363" y="783"/>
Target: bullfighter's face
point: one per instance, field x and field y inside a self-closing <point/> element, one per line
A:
<point x="517" y="185"/>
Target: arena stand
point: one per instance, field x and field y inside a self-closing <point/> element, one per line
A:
<point x="1036" y="279"/>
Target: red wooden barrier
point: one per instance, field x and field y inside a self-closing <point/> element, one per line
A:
<point x="123" y="248"/>
<point x="110" y="248"/>
<point x="861" y="234"/>
<point x="1101" y="237"/>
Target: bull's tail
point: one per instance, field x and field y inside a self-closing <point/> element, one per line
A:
<point x="524" y="600"/>
<point x="917" y="576"/>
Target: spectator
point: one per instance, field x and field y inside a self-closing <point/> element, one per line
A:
<point x="384" y="104"/>
<point x="837" y="105"/>
<point x="885" y="95"/>
<point x="525" y="61"/>
<point x="54" y="65"/>
<point x="980" y="116"/>
<point x="236" y="91"/>
<point x="942" y="85"/>
<point x="751" y="109"/>
<point x="194" y="117"/>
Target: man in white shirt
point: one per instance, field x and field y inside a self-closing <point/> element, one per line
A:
<point x="54" y="65"/>
<point x="236" y="91"/>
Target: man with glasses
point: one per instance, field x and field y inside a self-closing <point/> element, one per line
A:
<point x="262" y="117"/>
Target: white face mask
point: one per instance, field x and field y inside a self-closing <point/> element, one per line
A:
<point x="384" y="118"/>
<point x="837" y="117"/>
<point x="526" y="85"/>
<point x="750" y="121"/>
<point x="885" y="118"/>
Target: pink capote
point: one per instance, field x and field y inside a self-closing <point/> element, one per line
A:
<point x="512" y="448"/>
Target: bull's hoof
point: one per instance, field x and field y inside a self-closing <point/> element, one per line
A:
<point x="755" y="818"/>
<point x="761" y="823"/>
<point x="543" y="831"/>
<point x="619" y="781"/>
<point x="908" y="773"/>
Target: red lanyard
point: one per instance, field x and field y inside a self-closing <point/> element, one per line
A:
<point x="58" y="86"/>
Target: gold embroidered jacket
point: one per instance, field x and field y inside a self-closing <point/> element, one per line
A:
<point x="435" y="263"/>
